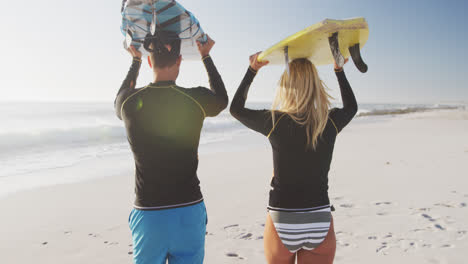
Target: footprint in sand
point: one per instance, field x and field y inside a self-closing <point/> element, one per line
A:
<point x="428" y="217"/>
<point x="409" y="246"/>
<point x="243" y="236"/>
<point x="426" y="246"/>
<point x="436" y="225"/>
<point x="347" y="205"/>
<point x="418" y="230"/>
<point x="461" y="234"/>
<point x="447" y="246"/>
<point x="111" y="243"/>
<point x="444" y="205"/>
<point x="424" y="209"/>
<point x="389" y="235"/>
<point x="463" y="205"/>
<point x="399" y="243"/>
<point x="230" y="226"/>
<point x="381" y="248"/>
<point x="341" y="233"/>
<point x="433" y="220"/>
<point x="383" y="203"/>
<point x="235" y="232"/>
<point x="372" y="238"/>
<point x="342" y="243"/>
<point x="234" y="255"/>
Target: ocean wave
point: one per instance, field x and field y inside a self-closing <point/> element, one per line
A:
<point x="222" y="122"/>
<point x="60" y="138"/>
<point x="404" y="110"/>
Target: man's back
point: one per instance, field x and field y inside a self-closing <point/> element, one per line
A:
<point x="163" y="123"/>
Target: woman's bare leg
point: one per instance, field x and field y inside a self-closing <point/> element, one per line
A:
<point x="275" y="251"/>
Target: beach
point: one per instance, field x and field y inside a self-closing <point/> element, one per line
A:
<point x="398" y="183"/>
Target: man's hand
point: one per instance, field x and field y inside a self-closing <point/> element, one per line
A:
<point x="134" y="52"/>
<point x="255" y="64"/>
<point x="206" y="47"/>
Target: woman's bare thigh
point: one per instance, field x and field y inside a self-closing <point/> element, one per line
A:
<point x="275" y="251"/>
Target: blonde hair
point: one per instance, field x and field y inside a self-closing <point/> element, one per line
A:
<point x="302" y="96"/>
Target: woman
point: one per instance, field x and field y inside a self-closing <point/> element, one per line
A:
<point x="302" y="133"/>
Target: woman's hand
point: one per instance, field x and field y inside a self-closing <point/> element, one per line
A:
<point x="205" y="48"/>
<point x="255" y="64"/>
<point x="340" y="68"/>
<point x="134" y="52"/>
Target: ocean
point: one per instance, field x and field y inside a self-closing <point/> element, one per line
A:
<point x="36" y="138"/>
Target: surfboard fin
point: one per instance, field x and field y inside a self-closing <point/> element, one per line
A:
<point x="286" y="58"/>
<point x="335" y="49"/>
<point x="355" y="52"/>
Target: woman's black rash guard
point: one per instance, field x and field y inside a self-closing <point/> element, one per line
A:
<point x="163" y="123"/>
<point x="300" y="174"/>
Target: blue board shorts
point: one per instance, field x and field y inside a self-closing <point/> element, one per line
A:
<point x="175" y="235"/>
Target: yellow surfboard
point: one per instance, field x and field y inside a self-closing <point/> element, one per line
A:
<point x="323" y="43"/>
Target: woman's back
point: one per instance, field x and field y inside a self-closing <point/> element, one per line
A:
<point x="300" y="172"/>
<point x="300" y="177"/>
<point x="293" y="157"/>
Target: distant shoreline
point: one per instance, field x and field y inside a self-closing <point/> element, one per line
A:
<point x="408" y="110"/>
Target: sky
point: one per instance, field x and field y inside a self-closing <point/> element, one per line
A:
<point x="63" y="50"/>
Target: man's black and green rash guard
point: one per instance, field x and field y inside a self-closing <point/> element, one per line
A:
<point x="300" y="178"/>
<point x="163" y="123"/>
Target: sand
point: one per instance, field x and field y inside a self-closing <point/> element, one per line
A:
<point x="399" y="184"/>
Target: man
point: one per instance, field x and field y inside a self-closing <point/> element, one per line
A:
<point x="163" y="123"/>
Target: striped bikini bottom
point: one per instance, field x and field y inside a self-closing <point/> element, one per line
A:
<point x="302" y="230"/>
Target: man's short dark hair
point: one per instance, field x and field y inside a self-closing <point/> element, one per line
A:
<point x="157" y="46"/>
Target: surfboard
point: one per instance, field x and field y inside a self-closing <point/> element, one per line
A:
<point x="143" y="17"/>
<point x="323" y="43"/>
